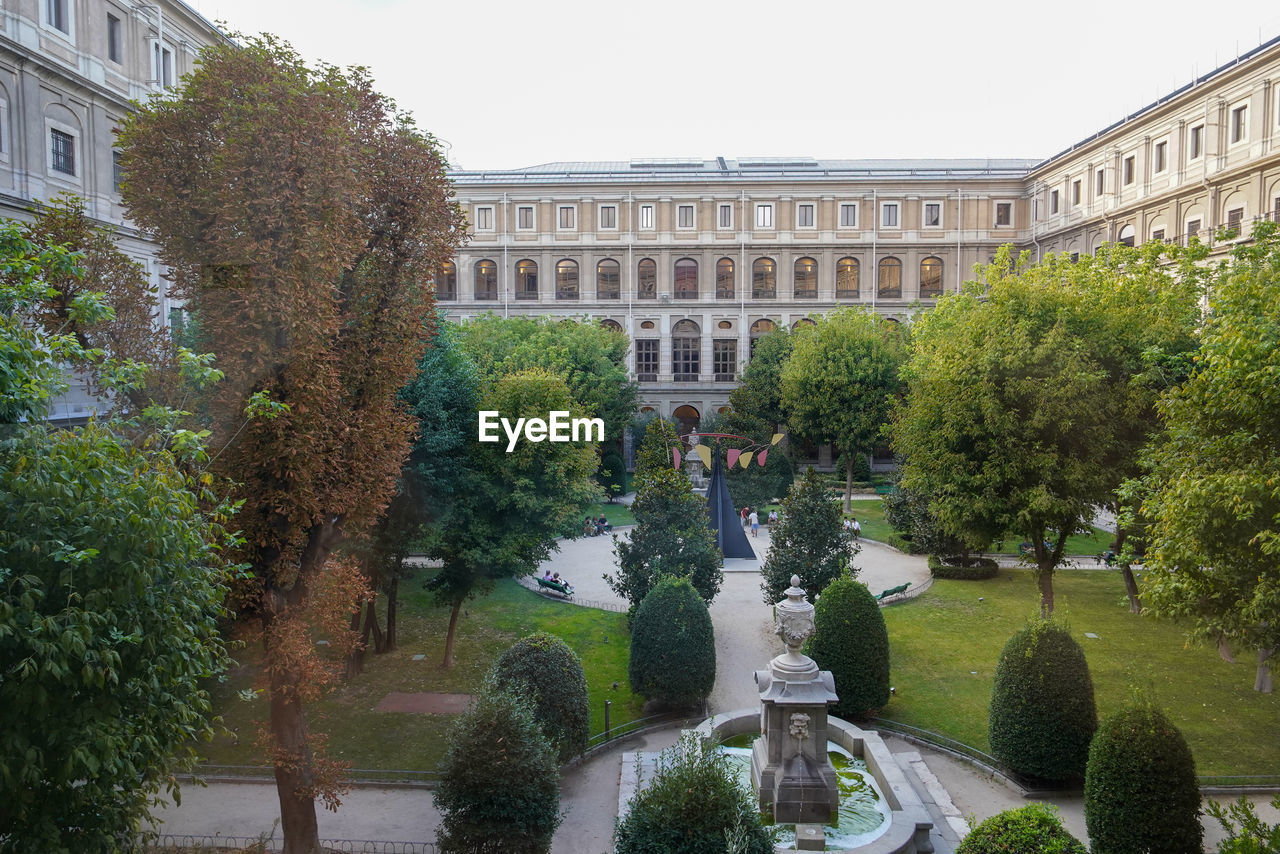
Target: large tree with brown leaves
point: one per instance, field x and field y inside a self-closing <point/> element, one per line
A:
<point x="301" y="218"/>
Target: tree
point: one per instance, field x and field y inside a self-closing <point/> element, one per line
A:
<point x="111" y="582"/>
<point x="851" y="640"/>
<point x="755" y="406"/>
<point x="498" y="740"/>
<point x="1210" y="493"/>
<point x="841" y="382"/>
<point x="1033" y="829"/>
<point x="1244" y="832"/>
<point x="907" y="510"/>
<point x="301" y="219"/>
<point x="1031" y="392"/>
<point x="508" y="508"/>
<point x="808" y="541"/>
<point x="1140" y="789"/>
<point x="671" y="537"/>
<point x="543" y="668"/>
<point x="659" y="441"/>
<point x="673" y="645"/>
<point x="693" y="805"/>
<point x="1042" y="712"/>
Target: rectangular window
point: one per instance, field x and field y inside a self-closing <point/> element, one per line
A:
<point x="724" y="354"/>
<point x="686" y="363"/>
<point x="764" y="216"/>
<point x="1075" y="192"/>
<point x="1099" y="182"/>
<point x="1275" y="210"/>
<point x="1128" y="170"/>
<point x="1195" y="142"/>
<point x="646" y="359"/>
<point x="56" y="15"/>
<point x="568" y="217"/>
<point x="117" y="172"/>
<point x="848" y="215"/>
<point x="1053" y="201"/>
<point x="646" y="217"/>
<point x="524" y="217"/>
<point x="1004" y="212"/>
<point x="114" y="51"/>
<point x="161" y="64"/>
<point x="609" y="216"/>
<point x="1193" y="229"/>
<point x="1161" y="157"/>
<point x="1235" y="218"/>
<point x="62" y="152"/>
<point x="932" y="214"/>
<point x="726" y="217"/>
<point x="1158" y="235"/>
<point x="804" y="216"/>
<point x="684" y="216"/>
<point x="484" y="219"/>
<point x="1239" y="123"/>
<point x="889" y="215"/>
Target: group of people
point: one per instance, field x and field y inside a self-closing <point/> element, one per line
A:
<point x="596" y="527"/>
<point x="554" y="578"/>
<point x="751" y="517"/>
<point x="853" y="527"/>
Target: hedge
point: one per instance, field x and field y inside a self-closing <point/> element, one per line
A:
<point x="850" y="639"/>
<point x="982" y="568"/>
<point x="673" y="645"/>
<point x="1033" y="829"/>
<point x="549" y="673"/>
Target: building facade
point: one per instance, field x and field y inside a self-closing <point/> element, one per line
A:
<point x="694" y="259"/>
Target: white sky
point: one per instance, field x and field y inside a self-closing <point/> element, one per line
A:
<point x="506" y="84"/>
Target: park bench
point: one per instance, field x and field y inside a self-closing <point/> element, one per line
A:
<point x="893" y="591"/>
<point x="559" y="588"/>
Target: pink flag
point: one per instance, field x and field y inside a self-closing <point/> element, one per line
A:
<point x="761" y="456"/>
<point x="675" y="453"/>
<point x="732" y="456"/>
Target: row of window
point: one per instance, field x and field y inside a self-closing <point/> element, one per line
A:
<point x="686" y="351"/>
<point x="59" y="15"/>
<point x="764" y="279"/>
<point x="805" y="216"/>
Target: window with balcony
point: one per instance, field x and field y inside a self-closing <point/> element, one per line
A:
<point x="686" y="351"/>
<point x="1193" y="229"/>
<point x="486" y="280"/>
<point x="686" y="279"/>
<point x="848" y="215"/>
<point x="608" y="280"/>
<point x="1235" y="221"/>
<point x="806" y="278"/>
<point x="646" y="359"/>
<point x="447" y="281"/>
<point x="725" y="280"/>
<point x="526" y="279"/>
<point x="931" y="278"/>
<point x="889" y="282"/>
<point x="724" y="359"/>
<point x="764" y="279"/>
<point x="847" y="278"/>
<point x="647" y="279"/>
<point x="567" y="279"/>
<point x="1158" y="235"/>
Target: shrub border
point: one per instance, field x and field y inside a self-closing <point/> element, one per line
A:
<point x="986" y="568"/>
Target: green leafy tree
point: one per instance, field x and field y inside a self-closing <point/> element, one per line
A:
<point x="907" y="510"/>
<point x="1031" y="392"/>
<point x="1244" y="832"/>
<point x="508" y="508"/>
<point x="1210" y="496"/>
<point x="1033" y="829"/>
<point x="671" y="537"/>
<point x="673" y="645"/>
<point x="1042" y="713"/>
<point x="851" y="640"/>
<point x="545" y="670"/>
<point x="841" y="381"/>
<point x="808" y="541"/>
<point x="1140" y="789"/>
<point x="111" y="572"/>
<point x="693" y="805"/>
<point x="498" y="740"/>
<point x="654" y="455"/>
<point x="756" y="407"/>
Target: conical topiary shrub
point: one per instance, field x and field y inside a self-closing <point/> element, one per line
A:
<point x="1042" y="709"/>
<point x="1140" y="791"/>
<point x="850" y="639"/>
<point x="545" y="670"/>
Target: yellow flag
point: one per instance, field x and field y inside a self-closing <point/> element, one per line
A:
<point x="745" y="459"/>
<point x="777" y="437"/>
<point x="704" y="454"/>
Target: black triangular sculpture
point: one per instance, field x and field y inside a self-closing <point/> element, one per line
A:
<point x="725" y="522"/>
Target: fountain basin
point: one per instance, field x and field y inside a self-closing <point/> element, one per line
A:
<point x="909" y="821"/>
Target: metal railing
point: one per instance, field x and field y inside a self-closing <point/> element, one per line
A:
<point x="172" y="843"/>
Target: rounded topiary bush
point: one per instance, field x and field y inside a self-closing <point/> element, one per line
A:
<point x="850" y="639"/>
<point x="693" y="805"/>
<point x="549" y="674"/>
<point x="1033" y="829"/>
<point x="1042" y="709"/>
<point x="1140" y="791"/>
<point x="673" y="646"/>
<point x="500" y="785"/>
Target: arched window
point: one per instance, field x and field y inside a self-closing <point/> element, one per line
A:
<point x="567" y="279"/>
<point x="1126" y="235"/>
<point x="686" y="350"/>
<point x="724" y="279"/>
<point x="802" y="323"/>
<point x="687" y="418"/>
<point x="486" y="277"/>
<point x="447" y="281"/>
<point x="608" y="280"/>
<point x="931" y="278"/>
<point x="764" y="279"/>
<point x="806" y="278"/>
<point x="611" y="325"/>
<point x="890" y="282"/>
<point x="526" y="279"/>
<point x="647" y="279"/>
<point x="759" y="329"/>
<point x="847" y="274"/>
<point x="686" y="279"/>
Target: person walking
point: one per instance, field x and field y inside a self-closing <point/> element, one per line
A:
<point x="755" y="523"/>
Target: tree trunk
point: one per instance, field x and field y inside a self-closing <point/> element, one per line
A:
<point x="448" y="639"/>
<point x="371" y="625"/>
<point x="389" y="639"/>
<point x="1131" y="588"/>
<point x="294" y="776"/>
<point x="848" y="486"/>
<point x="1262" y="682"/>
<point x="355" y="659"/>
<point x="1044" y="577"/>
<point x="1224" y="650"/>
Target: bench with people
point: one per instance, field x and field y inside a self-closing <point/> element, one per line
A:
<point x="555" y="582"/>
<point x="596" y="527"/>
<point x="893" y="591"/>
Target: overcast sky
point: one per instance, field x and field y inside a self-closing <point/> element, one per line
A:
<point x="505" y="84"/>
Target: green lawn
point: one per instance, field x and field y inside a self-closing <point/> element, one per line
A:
<point x="617" y="514"/>
<point x="385" y="740"/>
<point x="945" y="645"/>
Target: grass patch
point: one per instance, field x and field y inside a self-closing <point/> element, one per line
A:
<point x="870" y="515"/>
<point x="616" y="514"/>
<point x="939" y="638"/>
<point x="413" y="742"/>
